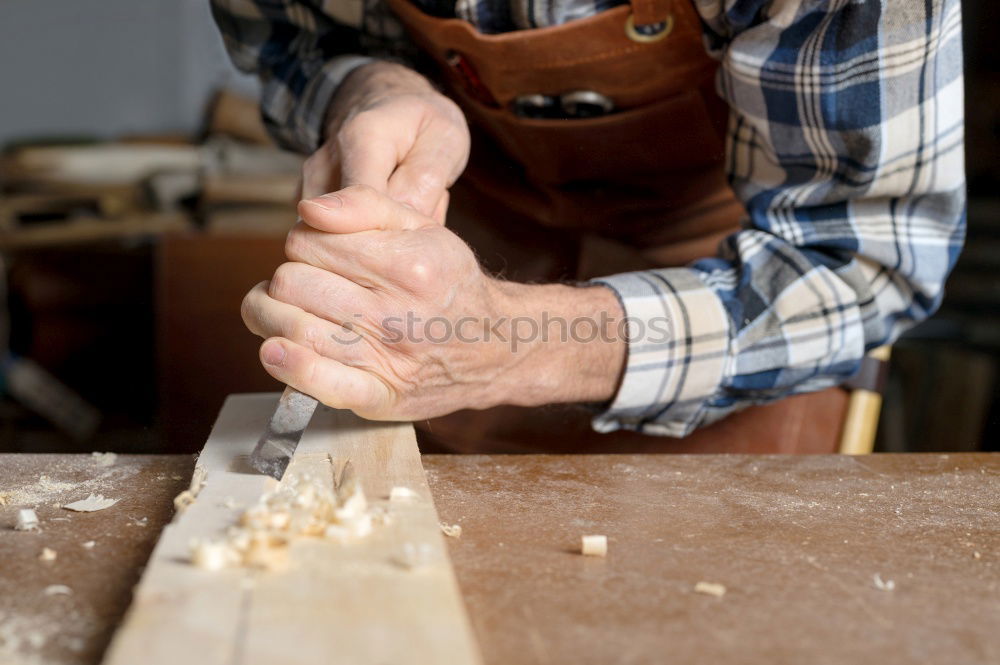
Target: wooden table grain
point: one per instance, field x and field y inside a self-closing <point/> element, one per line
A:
<point x="825" y="559"/>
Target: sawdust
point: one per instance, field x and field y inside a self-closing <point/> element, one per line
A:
<point x="104" y="459"/>
<point x="44" y="490"/>
<point x="24" y="635"/>
<point x="451" y="530"/>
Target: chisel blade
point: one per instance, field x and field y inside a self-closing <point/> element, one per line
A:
<point x="278" y="443"/>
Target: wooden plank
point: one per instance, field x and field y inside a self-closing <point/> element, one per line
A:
<point x="85" y="230"/>
<point x="97" y="164"/>
<point x="335" y="603"/>
<point x="280" y="189"/>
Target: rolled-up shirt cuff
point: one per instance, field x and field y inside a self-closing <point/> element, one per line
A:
<point x="678" y="351"/>
<point x="302" y="127"/>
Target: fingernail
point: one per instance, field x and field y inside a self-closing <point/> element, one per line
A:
<point x="327" y="201"/>
<point x="273" y="354"/>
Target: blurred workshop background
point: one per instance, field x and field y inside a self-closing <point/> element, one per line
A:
<point x="140" y="198"/>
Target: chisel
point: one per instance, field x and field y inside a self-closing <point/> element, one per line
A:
<point x="278" y="443"/>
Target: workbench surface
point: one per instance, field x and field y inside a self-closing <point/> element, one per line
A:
<point x="796" y="541"/>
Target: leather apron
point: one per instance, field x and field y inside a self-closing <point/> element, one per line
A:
<point x="547" y="199"/>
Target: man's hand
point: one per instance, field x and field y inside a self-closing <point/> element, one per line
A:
<point x="388" y="128"/>
<point x="383" y="311"/>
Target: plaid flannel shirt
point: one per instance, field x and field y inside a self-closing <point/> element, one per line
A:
<point x="845" y="144"/>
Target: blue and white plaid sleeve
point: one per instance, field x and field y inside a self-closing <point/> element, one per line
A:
<point x="845" y="143"/>
<point x="301" y="55"/>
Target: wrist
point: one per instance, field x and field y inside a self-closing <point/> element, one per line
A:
<point x="367" y="84"/>
<point x="565" y="344"/>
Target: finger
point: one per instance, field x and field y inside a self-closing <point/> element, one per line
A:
<point x="367" y="157"/>
<point x="359" y="208"/>
<point x="378" y="262"/>
<point x="267" y="317"/>
<point x="441" y="209"/>
<point x="331" y="382"/>
<point x="320" y="173"/>
<point x="325" y="294"/>
<point x="356" y="257"/>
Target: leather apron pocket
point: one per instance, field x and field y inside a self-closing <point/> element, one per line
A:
<point x="624" y="147"/>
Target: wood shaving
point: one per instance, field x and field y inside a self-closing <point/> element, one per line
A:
<point x="47" y="554"/>
<point x="594" y="545"/>
<point x="89" y="545"/>
<point x="414" y="555"/>
<point x="883" y="585"/>
<point x="400" y="493"/>
<point x="27" y="520"/>
<point x="104" y="459"/>
<point x="452" y="531"/>
<point x="91" y="504"/>
<point x="710" y="589"/>
<point x="5" y="498"/>
<point x="58" y="590"/>
<point x="183" y="500"/>
<point x="301" y="508"/>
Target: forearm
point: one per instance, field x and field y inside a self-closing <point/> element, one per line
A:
<point x="565" y="343"/>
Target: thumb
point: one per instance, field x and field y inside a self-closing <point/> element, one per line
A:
<point x="366" y="159"/>
<point x="419" y="183"/>
<point x="360" y="208"/>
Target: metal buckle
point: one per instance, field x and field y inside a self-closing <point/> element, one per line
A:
<point x="647" y="34"/>
<point x="585" y="104"/>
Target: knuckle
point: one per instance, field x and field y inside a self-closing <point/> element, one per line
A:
<point x="417" y="271"/>
<point x="307" y="334"/>
<point x="296" y="241"/>
<point x="248" y="307"/>
<point x="370" y="397"/>
<point x="312" y="374"/>
<point x="430" y="181"/>
<point x="282" y="283"/>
